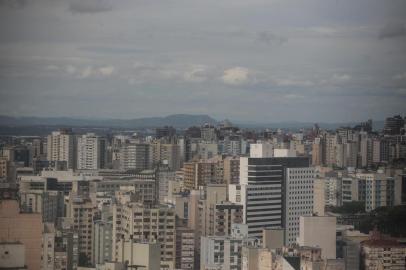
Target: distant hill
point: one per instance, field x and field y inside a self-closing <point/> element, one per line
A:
<point x="376" y="125"/>
<point x="27" y="125"/>
<point x="176" y="120"/>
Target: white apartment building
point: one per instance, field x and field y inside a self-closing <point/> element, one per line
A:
<point x="232" y="146"/>
<point x="102" y="240"/>
<point x="224" y="252"/>
<point x="298" y="200"/>
<point x="91" y="152"/>
<point x="332" y="191"/>
<point x="61" y="147"/>
<point x="376" y="190"/>
<point x="261" y="150"/>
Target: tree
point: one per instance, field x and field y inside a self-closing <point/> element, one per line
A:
<point x="353" y="207"/>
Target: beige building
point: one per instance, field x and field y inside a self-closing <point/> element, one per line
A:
<point x="273" y="239"/>
<point x="167" y="154"/>
<point x="319" y="231"/>
<point x="185" y="248"/>
<point x="199" y="174"/>
<point x="82" y="211"/>
<point x="194" y="215"/>
<point x="146" y="224"/>
<point x="23" y="227"/>
<point x="319" y="196"/>
<point x="256" y="258"/>
<point x="213" y="195"/>
<point x="226" y="214"/>
<point x="330" y="149"/>
<point x="61" y="147"/>
<point x="141" y="256"/>
<point x="3" y="167"/>
<point x="12" y="256"/>
<point x="48" y="247"/>
<point x="231" y="170"/>
<point x="382" y="253"/>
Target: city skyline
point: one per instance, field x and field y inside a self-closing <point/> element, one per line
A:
<point x="202" y="135"/>
<point x="314" y="61"/>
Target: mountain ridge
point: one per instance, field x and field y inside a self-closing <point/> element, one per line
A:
<point x="175" y="120"/>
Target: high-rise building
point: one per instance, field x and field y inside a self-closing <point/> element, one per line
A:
<point x="350" y="154"/>
<point x="165" y="131"/>
<point x="103" y="238"/>
<point x="376" y="150"/>
<point x="142" y="223"/>
<point x="25" y="228"/>
<point x="207" y="150"/>
<point x="208" y="133"/>
<point x="91" y="152"/>
<point x="213" y="195"/>
<point x="319" y="231"/>
<point x="393" y="125"/>
<point x="376" y="190"/>
<point x="231" y="170"/>
<point x="165" y="176"/>
<point x="61" y="147"/>
<point x="299" y="201"/>
<point x="167" y="154"/>
<point x="330" y="142"/>
<point x="226" y="214"/>
<point x="262" y="190"/>
<point x="135" y="156"/>
<point x="138" y="255"/>
<point x="49" y="203"/>
<point x="4" y="167"/>
<point x="200" y="173"/>
<point x="185" y="248"/>
<point x="232" y="145"/>
<point x="81" y="211"/>
<point x="225" y="252"/>
<point x="317" y="152"/>
<point x="261" y="150"/>
<point x="366" y="150"/>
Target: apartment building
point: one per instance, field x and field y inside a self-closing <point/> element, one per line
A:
<point x="91" y="152"/>
<point x="153" y="224"/>
<point x="61" y="147"/>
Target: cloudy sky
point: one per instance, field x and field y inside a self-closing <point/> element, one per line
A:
<point x="256" y="60"/>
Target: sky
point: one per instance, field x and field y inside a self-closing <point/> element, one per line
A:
<point x="253" y="61"/>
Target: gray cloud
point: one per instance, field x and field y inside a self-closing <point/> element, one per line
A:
<point x="90" y="6"/>
<point x="270" y="38"/>
<point x="13" y="3"/>
<point x="158" y="57"/>
<point x="392" y="30"/>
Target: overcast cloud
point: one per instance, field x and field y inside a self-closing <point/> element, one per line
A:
<point x="259" y="60"/>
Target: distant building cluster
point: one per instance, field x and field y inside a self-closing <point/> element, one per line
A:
<point x="212" y="197"/>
